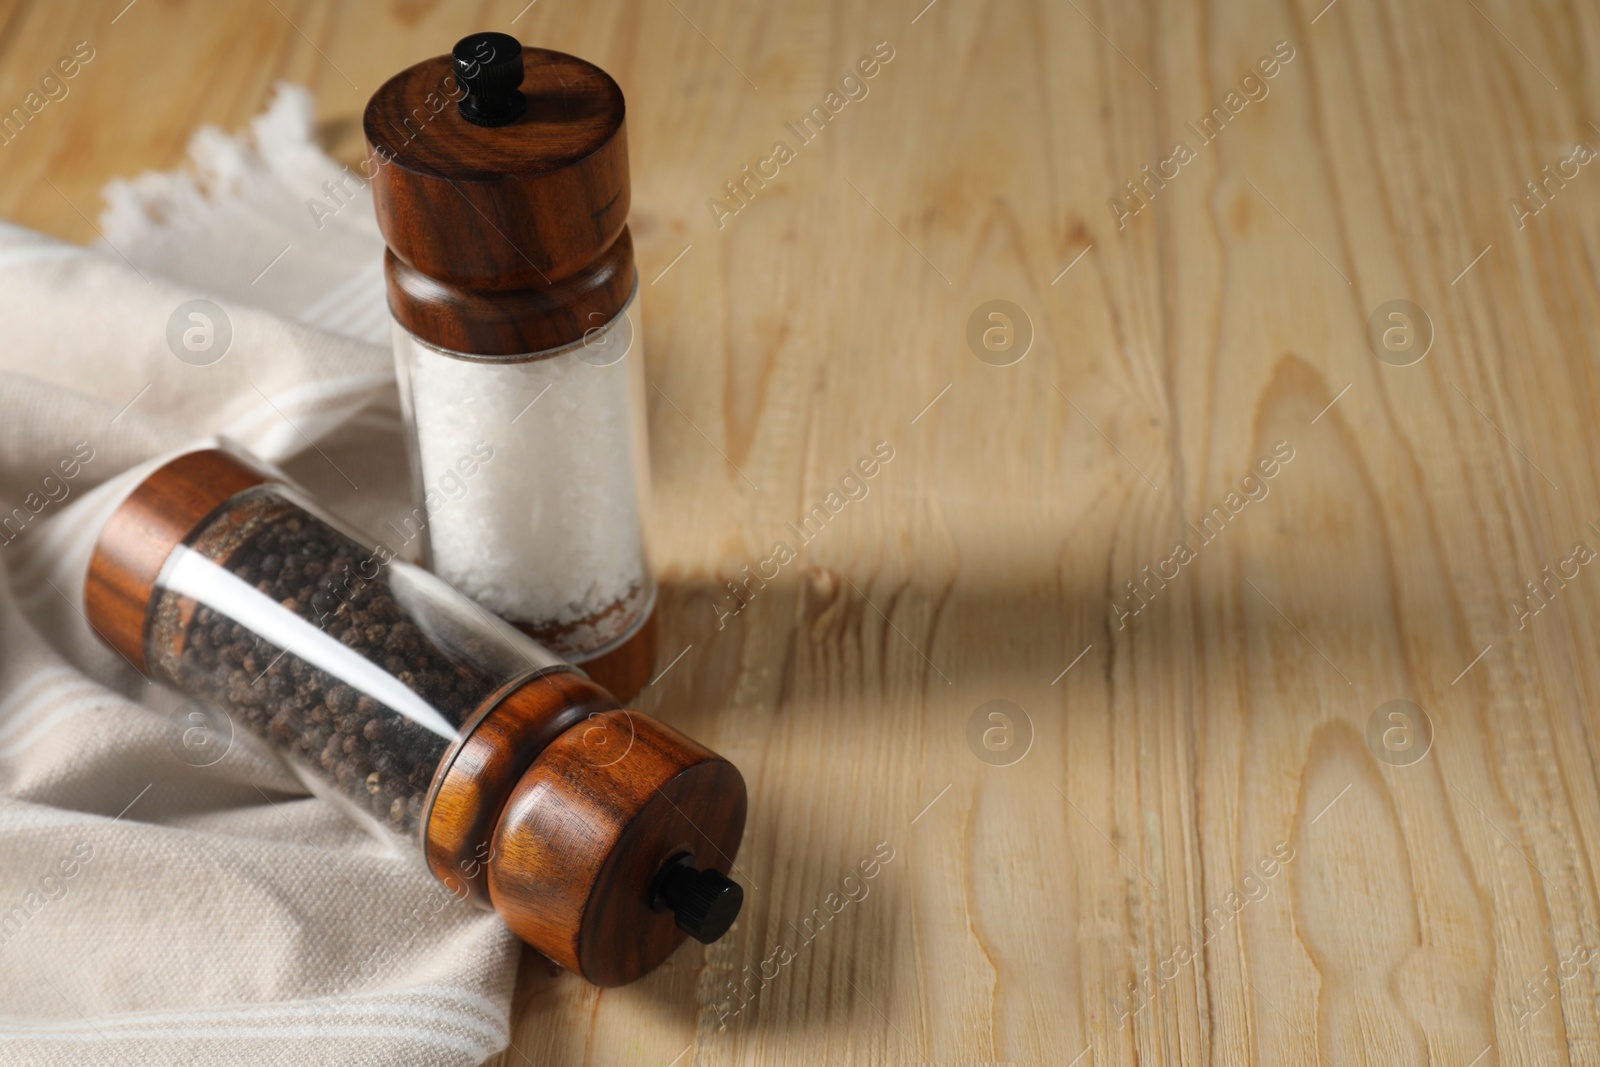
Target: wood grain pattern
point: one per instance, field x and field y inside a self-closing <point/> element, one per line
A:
<point x="599" y="815"/>
<point x="512" y="322"/>
<point x="1083" y="898"/>
<point x="473" y="782"/>
<point x="503" y="239"/>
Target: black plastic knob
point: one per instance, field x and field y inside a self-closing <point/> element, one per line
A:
<point x="489" y="68"/>
<point x="704" y="903"/>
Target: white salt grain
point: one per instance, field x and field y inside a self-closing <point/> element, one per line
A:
<point x="548" y="530"/>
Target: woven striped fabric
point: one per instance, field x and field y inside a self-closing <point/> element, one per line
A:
<point x="163" y="902"/>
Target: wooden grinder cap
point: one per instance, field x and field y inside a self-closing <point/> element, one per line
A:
<point x="615" y="845"/>
<point x="500" y="178"/>
<point x="602" y="837"/>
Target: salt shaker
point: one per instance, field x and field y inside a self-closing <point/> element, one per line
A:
<point x="500" y="180"/>
<point x="602" y="837"/>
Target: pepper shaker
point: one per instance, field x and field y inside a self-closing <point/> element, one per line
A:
<point x="601" y="836"/>
<point x="500" y="180"/>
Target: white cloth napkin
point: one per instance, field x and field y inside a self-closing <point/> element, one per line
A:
<point x="168" y="895"/>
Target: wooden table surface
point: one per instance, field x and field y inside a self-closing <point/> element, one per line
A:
<point x="1196" y="829"/>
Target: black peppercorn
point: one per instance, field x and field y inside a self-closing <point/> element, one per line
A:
<point x="380" y="758"/>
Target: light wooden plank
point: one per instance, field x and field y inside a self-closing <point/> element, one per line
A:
<point x="1228" y="718"/>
